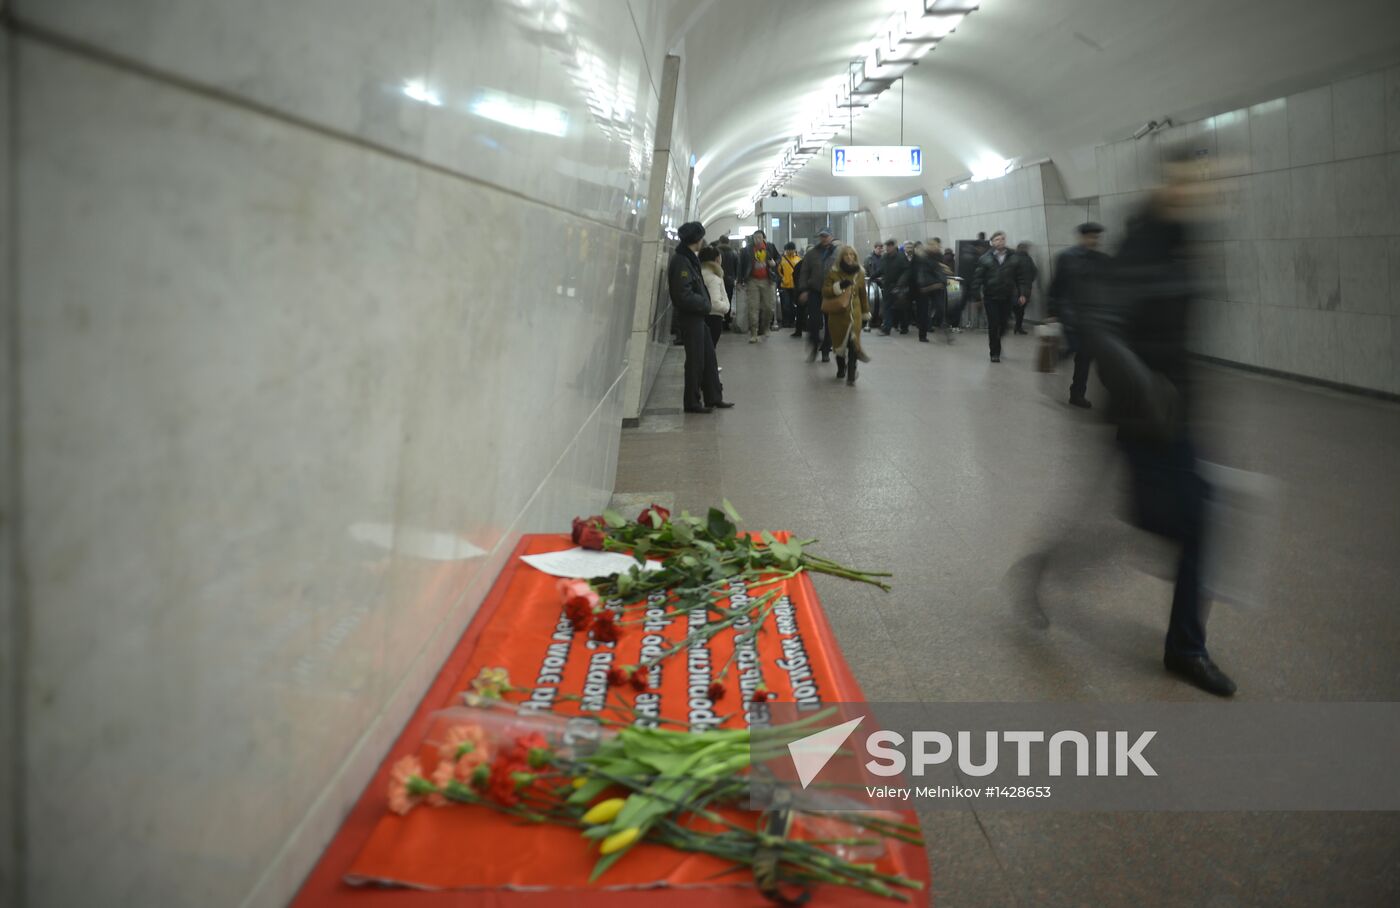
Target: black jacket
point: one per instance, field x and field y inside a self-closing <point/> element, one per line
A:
<point x="872" y="266"/>
<point x="1078" y="273"/>
<point x="746" y="263"/>
<point x="893" y="268"/>
<point x="729" y="264"/>
<point x="1004" y="281"/>
<point x="1138" y="323"/>
<point x="926" y="271"/>
<point x="815" y="264"/>
<point x="689" y="297"/>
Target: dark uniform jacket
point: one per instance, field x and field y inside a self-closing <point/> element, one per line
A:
<point x="689" y="297"/>
<point x="872" y="267"/>
<point x="1077" y="273"/>
<point x="1004" y="281"/>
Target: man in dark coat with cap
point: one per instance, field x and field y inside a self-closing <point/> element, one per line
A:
<point x="691" y="303"/>
<point x="1079" y="270"/>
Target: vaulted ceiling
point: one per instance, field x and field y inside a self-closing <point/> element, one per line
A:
<point x="1018" y="79"/>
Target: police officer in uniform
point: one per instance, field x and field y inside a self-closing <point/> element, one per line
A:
<point x="691" y="303"/>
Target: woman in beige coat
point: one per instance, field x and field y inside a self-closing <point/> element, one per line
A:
<point x="847" y="308"/>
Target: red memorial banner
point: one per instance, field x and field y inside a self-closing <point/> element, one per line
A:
<point x="522" y="629"/>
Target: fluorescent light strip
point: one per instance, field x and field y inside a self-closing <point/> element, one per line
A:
<point x="904" y="38"/>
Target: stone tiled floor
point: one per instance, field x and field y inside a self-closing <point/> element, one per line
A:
<point x="947" y="469"/>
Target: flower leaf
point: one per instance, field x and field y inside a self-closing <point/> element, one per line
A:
<point x="720" y="526"/>
<point x="614" y="519"/>
<point x="733" y="514"/>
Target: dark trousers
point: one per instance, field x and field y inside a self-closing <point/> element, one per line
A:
<point x="817" y="335"/>
<point x="716" y="325"/>
<point x="997" y="312"/>
<point x="921" y="314"/>
<point x="1020" y="312"/>
<point x="896" y="311"/>
<point x="1080" y="382"/>
<point x="787" y="306"/>
<point x="702" y="387"/>
<point x="1169" y="499"/>
<point x="799" y="313"/>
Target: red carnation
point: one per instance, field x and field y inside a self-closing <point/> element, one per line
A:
<point x="644" y="518"/>
<point x="716" y="691"/>
<point x="605" y="629"/>
<point x="583" y="523"/>
<point x="502" y="784"/>
<point x="638" y="680"/>
<point x="762" y="694"/>
<point x="616" y="677"/>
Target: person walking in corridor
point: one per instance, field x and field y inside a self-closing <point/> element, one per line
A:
<point x="787" y="289"/>
<point x="758" y="277"/>
<point x="819" y="260"/>
<point x="691" y="303"/>
<point x="847" y="306"/>
<point x="894" y="280"/>
<point x="999" y="282"/>
<point x="926" y="281"/>
<point x="1079" y="272"/>
<point x="1138" y="334"/>
<point x="729" y="262"/>
<point x="1028" y="264"/>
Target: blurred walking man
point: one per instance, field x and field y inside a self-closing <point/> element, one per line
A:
<point x="1000" y="282"/>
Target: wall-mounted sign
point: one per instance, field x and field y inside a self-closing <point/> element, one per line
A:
<point x="877" y="160"/>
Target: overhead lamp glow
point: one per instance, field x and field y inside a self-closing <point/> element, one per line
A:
<point x="989" y="167"/>
<point x="418" y="90"/>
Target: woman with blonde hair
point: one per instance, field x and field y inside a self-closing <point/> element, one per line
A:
<point x="846" y="304"/>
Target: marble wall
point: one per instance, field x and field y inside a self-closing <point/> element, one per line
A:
<point x="321" y="303"/>
<point x="1301" y="271"/>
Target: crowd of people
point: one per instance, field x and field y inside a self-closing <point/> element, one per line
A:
<point x="760" y="290"/>
<point x="1128" y="313"/>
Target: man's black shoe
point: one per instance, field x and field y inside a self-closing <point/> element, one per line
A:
<point x="1081" y="402"/>
<point x="826" y="357"/>
<point x="699" y="409"/>
<point x="923" y="338"/>
<point x="1202" y="672"/>
<point x="884" y="333"/>
<point x="796" y="334"/>
<point x="995" y="358"/>
<point x="722" y="404"/>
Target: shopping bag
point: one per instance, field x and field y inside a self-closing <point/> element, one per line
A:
<point x="1049" y="336"/>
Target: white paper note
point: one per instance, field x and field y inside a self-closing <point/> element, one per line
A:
<point x="584" y="563"/>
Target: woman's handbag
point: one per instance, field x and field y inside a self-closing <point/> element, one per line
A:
<point x="835" y="304"/>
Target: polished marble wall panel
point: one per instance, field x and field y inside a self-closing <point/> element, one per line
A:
<point x="543" y="98"/>
<point x="1306" y="226"/>
<point x="277" y="342"/>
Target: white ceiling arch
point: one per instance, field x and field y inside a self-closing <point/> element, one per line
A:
<point x="1019" y="78"/>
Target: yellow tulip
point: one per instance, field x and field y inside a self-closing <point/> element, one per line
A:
<point x="620" y="840"/>
<point x="604" y="811"/>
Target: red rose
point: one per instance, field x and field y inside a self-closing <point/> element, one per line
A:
<point x="616" y="677"/>
<point x="582" y="523"/>
<point x="762" y="694"/>
<point x="644" y="518"/>
<point x="605" y="629"/>
<point x="590" y="537"/>
<point x="716" y="692"/>
<point x="638" y="680"/>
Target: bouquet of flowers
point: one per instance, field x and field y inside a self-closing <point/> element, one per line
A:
<point x="681" y="789"/>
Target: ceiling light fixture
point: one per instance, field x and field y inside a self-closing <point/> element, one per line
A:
<point x="901" y="42"/>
